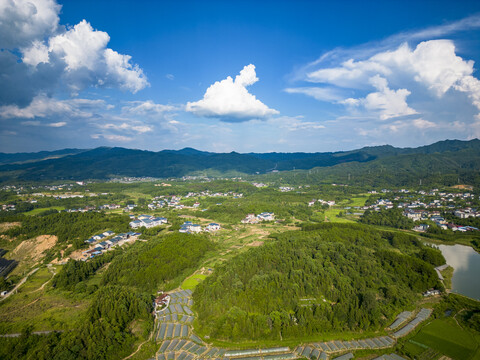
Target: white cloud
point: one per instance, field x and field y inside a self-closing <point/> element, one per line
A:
<point x="125" y="126"/>
<point x="229" y="100"/>
<point x="24" y="21"/>
<point x="57" y="124"/>
<point x="81" y="46"/>
<point x="45" y="107"/>
<point x="431" y="65"/>
<point x="112" y="137"/>
<point x="389" y="103"/>
<point x="122" y="73"/>
<point x="322" y="94"/>
<point x="294" y="123"/>
<point x="147" y="107"/>
<point x="87" y="59"/>
<point x="43" y="57"/>
<point x="39" y="123"/>
<point x="37" y="53"/>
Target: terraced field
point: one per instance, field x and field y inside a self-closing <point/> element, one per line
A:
<point x="178" y="341"/>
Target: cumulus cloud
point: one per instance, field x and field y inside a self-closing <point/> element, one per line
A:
<point x="41" y="57"/>
<point x="389" y="103"/>
<point x="87" y="59"/>
<point x="430" y="68"/>
<point x="433" y="63"/>
<point x="229" y="100"/>
<point x="25" y="21"/>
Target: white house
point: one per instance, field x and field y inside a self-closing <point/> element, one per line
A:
<point x="266" y="216"/>
<point x="212" y="227"/>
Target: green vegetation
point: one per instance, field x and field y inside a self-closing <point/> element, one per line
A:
<point x="75" y="272"/>
<point x="449" y="338"/>
<point x="192" y="282"/>
<point x="158" y="263"/>
<point x="74" y="228"/>
<point x="313" y="274"/>
<point x="43" y="211"/>
<point x="102" y="333"/>
<point x="387" y="217"/>
<point x="359" y="278"/>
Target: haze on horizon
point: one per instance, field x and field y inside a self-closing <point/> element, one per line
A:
<point x="239" y="76"/>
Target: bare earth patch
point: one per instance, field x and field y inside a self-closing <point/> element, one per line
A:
<point x="8" y="225"/>
<point x="33" y="249"/>
<point x="255" y="243"/>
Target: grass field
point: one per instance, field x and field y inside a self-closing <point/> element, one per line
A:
<point x="193" y="281"/>
<point x="448" y="338"/>
<point x="331" y="215"/>
<point x="356" y="201"/>
<point x="43" y="309"/>
<point x="40" y="210"/>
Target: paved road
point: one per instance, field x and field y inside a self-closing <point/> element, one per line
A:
<point x="19" y="284"/>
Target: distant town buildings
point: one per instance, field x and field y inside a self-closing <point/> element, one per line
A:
<point x="254" y="219"/>
<point x="148" y="221"/>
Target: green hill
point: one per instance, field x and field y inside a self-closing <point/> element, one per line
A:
<point x="329" y="279"/>
<point x="370" y="165"/>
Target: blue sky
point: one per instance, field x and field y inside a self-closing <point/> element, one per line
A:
<point x="237" y="76"/>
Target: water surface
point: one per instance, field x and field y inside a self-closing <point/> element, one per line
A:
<point x="466" y="264"/>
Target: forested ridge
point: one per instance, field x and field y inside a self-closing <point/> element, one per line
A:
<point x="328" y="278"/>
<point x="153" y="264"/>
<point x="440" y="162"/>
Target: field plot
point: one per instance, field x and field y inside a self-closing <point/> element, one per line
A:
<point x="448" y="338"/>
<point x="193" y="281"/>
<point x="40" y="210"/>
<point x="331" y="215"/>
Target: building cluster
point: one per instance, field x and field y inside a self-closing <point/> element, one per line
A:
<point x="146" y="220"/>
<point x="109" y="207"/>
<point x="9" y="207"/>
<point x="254" y="219"/>
<point x="208" y="193"/>
<point x="322" y="202"/>
<point x="286" y="188"/>
<point x="159" y="202"/>
<point x="83" y="209"/>
<point x="431" y="292"/>
<point x="429" y="205"/>
<point x="190" y="228"/>
<point x="467" y="213"/>
<point x="102" y="246"/>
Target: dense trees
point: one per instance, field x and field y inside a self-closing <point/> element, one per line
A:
<point x="75" y="272"/>
<point x="71" y="227"/>
<point x="387" y="217"/>
<point x="103" y="333"/>
<point x="333" y="278"/>
<point x="147" y="266"/>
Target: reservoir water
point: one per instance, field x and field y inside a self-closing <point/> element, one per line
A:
<point x="466" y="264"/>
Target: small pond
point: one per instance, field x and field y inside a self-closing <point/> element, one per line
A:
<point x="466" y="264"/>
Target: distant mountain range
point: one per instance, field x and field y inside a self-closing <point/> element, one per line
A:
<point x="101" y="163"/>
